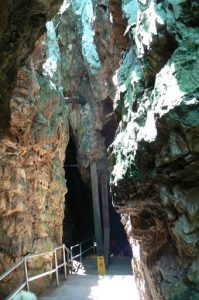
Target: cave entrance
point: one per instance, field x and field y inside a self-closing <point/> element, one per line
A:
<point x="78" y="223"/>
<point x="78" y="220"/>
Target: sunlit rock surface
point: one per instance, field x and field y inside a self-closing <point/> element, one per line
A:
<point x="32" y="154"/>
<point x="155" y="152"/>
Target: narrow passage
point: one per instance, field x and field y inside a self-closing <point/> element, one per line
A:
<point x="119" y="283"/>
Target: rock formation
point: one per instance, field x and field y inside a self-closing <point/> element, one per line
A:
<point x="21" y="24"/>
<point x="32" y="152"/>
<point x="155" y="175"/>
<point x="138" y="57"/>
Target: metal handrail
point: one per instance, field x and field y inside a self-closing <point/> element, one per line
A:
<point x="80" y="248"/>
<point x="11" y="269"/>
<point x="66" y="263"/>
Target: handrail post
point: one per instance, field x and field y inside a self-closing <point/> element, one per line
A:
<point x="64" y="259"/>
<point x="26" y="273"/>
<point x="69" y="259"/>
<point x="80" y="250"/>
<point x="93" y="245"/>
<point x="71" y="253"/>
<point x="56" y="268"/>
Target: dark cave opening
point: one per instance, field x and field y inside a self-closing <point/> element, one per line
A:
<point x="78" y="221"/>
<point x="119" y="244"/>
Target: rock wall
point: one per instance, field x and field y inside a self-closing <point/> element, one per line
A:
<point x="21" y="24"/>
<point x="32" y="179"/>
<point x="155" y="152"/>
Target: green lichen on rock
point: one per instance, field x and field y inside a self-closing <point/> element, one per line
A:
<point x="85" y="12"/>
<point x="155" y="143"/>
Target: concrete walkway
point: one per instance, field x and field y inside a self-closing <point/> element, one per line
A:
<point x="116" y="285"/>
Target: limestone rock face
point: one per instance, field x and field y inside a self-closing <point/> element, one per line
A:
<point x="21" y="24"/>
<point x="155" y="175"/>
<point x="32" y="179"/>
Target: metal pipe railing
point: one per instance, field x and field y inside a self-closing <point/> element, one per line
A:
<point x="66" y="263"/>
<point x="81" y="251"/>
<point x="10" y="270"/>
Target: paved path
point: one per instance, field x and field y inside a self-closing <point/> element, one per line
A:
<point x="116" y="285"/>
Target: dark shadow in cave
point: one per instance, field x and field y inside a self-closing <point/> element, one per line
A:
<point x="119" y="244"/>
<point x="78" y="221"/>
